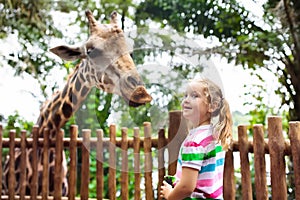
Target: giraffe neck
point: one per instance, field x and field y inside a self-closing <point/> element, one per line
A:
<point x="56" y="112"/>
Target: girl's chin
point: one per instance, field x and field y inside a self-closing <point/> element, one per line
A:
<point x="186" y="115"/>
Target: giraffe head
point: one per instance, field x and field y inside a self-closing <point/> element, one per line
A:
<point x="107" y="62"/>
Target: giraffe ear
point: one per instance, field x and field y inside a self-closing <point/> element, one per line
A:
<point x="68" y="53"/>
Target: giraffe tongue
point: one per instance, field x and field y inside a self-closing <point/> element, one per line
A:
<point x="139" y="97"/>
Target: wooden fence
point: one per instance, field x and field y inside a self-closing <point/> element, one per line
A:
<point x="147" y="151"/>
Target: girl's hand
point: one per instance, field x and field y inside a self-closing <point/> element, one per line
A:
<point x="165" y="190"/>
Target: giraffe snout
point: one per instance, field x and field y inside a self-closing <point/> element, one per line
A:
<point x="140" y="96"/>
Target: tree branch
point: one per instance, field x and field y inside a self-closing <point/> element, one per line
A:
<point x="293" y="31"/>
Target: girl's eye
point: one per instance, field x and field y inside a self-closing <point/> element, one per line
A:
<point x="194" y="96"/>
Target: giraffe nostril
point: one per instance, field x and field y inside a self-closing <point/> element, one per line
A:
<point x="132" y="80"/>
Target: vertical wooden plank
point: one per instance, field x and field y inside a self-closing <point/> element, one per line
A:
<point x="112" y="163"/>
<point x="245" y="166"/>
<point x="276" y="148"/>
<point x="73" y="162"/>
<point x="176" y="134"/>
<point x="124" y="168"/>
<point x="99" y="164"/>
<point x="148" y="161"/>
<point x="22" y="180"/>
<point x="294" y="134"/>
<point x="58" y="164"/>
<point x="228" y="177"/>
<point x="137" y="170"/>
<point x="161" y="159"/>
<point x="85" y="167"/>
<point x="45" y="181"/>
<point x="34" y="162"/>
<point x="1" y="142"/>
<point x="259" y="162"/>
<point x="11" y="176"/>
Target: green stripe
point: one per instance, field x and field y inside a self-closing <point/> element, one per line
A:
<point x="192" y="156"/>
<point x="214" y="152"/>
<point x="201" y="156"/>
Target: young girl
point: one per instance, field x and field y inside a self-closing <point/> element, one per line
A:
<point x="201" y="158"/>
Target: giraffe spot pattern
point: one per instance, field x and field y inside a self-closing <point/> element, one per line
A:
<point x="56" y="119"/>
<point x="67" y="110"/>
<point x="77" y="85"/>
<point x="84" y="91"/>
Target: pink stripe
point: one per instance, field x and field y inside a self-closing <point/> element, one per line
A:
<point x="209" y="182"/>
<point x="205" y="183"/>
<point x="203" y="142"/>
<point x="215" y="194"/>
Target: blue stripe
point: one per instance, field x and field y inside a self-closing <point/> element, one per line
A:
<point x="212" y="167"/>
<point x="220" y="161"/>
<point x="180" y="162"/>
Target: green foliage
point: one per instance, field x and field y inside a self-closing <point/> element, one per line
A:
<point x="31" y="21"/>
<point x="17" y="123"/>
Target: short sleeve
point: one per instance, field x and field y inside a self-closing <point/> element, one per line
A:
<point x="192" y="156"/>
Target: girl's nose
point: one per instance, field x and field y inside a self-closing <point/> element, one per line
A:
<point x="185" y="100"/>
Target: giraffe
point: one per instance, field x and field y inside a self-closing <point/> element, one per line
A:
<point x="105" y="64"/>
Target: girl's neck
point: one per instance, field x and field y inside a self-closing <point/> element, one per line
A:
<point x="202" y="123"/>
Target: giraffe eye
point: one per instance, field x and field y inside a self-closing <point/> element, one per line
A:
<point x="89" y="50"/>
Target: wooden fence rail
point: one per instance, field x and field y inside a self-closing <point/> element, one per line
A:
<point x="148" y="160"/>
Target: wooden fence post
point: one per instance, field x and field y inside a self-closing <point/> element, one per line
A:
<point x="229" y="181"/>
<point x="294" y="133"/>
<point x="112" y="163"/>
<point x="176" y="134"/>
<point x="161" y="159"/>
<point x="73" y="161"/>
<point x="148" y="161"/>
<point x="58" y="164"/>
<point x="137" y="170"/>
<point x="85" y="167"/>
<point x="34" y="179"/>
<point x="245" y="166"/>
<point x="45" y="181"/>
<point x="276" y="148"/>
<point x="259" y="163"/>
<point x="124" y="167"/>
<point x="99" y="164"/>
<point x="11" y="177"/>
<point x="23" y="165"/>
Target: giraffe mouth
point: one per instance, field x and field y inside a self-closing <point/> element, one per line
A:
<point x="139" y="97"/>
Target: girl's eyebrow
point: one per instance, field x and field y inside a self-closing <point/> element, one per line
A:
<point x="195" y="91"/>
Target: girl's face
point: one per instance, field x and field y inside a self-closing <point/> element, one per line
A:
<point x="195" y="107"/>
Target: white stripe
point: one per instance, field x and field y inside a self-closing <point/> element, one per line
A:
<point x="208" y="175"/>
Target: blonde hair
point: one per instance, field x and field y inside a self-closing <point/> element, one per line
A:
<point x="221" y="110"/>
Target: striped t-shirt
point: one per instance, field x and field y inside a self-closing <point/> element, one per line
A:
<point x="200" y="151"/>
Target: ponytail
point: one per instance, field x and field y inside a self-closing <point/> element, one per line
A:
<point x="223" y="127"/>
